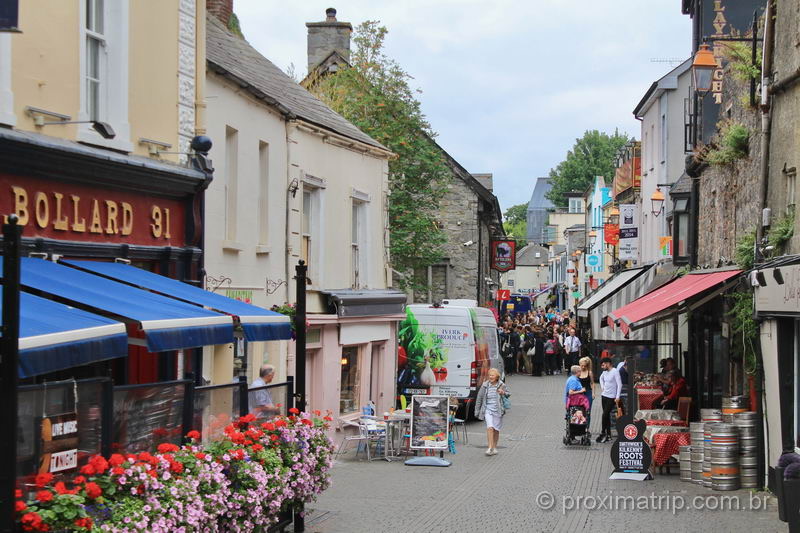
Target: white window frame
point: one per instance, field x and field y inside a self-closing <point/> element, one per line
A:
<point x="263" y="198"/>
<point x="114" y="69"/>
<point x="231" y="188"/>
<point x="577" y="203"/>
<point x="7" y="115"/>
<point x="359" y="266"/>
<point x="315" y="186"/>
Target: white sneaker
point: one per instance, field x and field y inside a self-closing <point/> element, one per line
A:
<point x="489" y="452"/>
<point x="494" y="451"/>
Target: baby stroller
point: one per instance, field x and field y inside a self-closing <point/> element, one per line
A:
<point x="577" y="420"/>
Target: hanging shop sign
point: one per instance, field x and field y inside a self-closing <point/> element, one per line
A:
<point x="503" y="295"/>
<point x="9" y="15"/>
<point x="80" y="213"/>
<point x="629" y="453"/>
<point x="628" y="232"/>
<point x="611" y="234"/>
<point x="593" y="260"/>
<point x="503" y="255"/>
<point x="429" y="427"/>
<point x="781" y="293"/>
<point x="59" y="443"/>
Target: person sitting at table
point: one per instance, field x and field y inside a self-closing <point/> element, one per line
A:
<point x="677" y="389"/>
<point x="663" y="377"/>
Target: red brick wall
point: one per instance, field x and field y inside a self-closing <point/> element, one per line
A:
<point x="222" y="9"/>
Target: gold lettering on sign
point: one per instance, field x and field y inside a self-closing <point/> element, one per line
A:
<point x="719" y="23"/>
<point x="97" y="225"/>
<point x="60" y="223"/>
<point x="42" y="209"/>
<point x="156" y="228"/>
<point x="111" y="218"/>
<point x="78" y="222"/>
<point x="20" y="204"/>
<point x="127" y="218"/>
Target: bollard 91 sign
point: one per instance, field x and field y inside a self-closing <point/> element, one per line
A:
<point x="503" y="255"/>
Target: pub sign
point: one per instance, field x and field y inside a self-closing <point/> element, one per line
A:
<point x="504" y="255"/>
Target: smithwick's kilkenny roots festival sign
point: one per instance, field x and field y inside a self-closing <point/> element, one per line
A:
<point x="629" y="453"/>
<point x="504" y="255"/>
<point x="59" y="443"/>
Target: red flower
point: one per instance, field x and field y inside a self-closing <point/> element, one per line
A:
<point x="93" y="490"/>
<point x="268" y="426"/>
<point x="317" y="412"/>
<point x="327" y="418"/>
<point x="176" y="467"/>
<point x="18" y="493"/>
<point x="273" y="438"/>
<point x="99" y="463"/>
<point x="294" y="410"/>
<point x="79" y="480"/>
<point x="116" y="459"/>
<point x="20" y="506"/>
<point x="167" y="447"/>
<point x="43" y="479"/>
<point x="257" y="447"/>
<point x="238" y="454"/>
<point x="85" y="522"/>
<point x="200" y="455"/>
<point x="307" y="422"/>
<point x="88" y="470"/>
<point x="117" y="470"/>
<point x="281" y="423"/>
<point x="152" y="473"/>
<point x="61" y="488"/>
<point x="193" y="434"/>
<point x="44" y="496"/>
<point x="32" y="522"/>
<point x="248" y="418"/>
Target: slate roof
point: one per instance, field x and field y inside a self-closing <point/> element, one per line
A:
<point x="234" y="58"/>
<point x="682" y="186"/>
<point x="538" y="199"/>
<point x="527" y="255"/>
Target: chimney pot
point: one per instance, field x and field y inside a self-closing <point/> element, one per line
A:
<point x="330" y="14"/>
<point x="326" y="37"/>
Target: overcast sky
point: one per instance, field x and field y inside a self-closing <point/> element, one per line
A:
<point x="507" y="84"/>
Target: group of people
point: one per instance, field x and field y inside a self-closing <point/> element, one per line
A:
<point x="539" y="342"/>
<point x="581" y="381"/>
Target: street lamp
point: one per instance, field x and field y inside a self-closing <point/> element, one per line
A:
<point x="592" y="239"/>
<point x="613" y="215"/>
<point x="657" y="201"/>
<point x="703" y="67"/>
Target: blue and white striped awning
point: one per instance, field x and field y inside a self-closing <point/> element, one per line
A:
<point x="54" y="336"/>
<point x="259" y="324"/>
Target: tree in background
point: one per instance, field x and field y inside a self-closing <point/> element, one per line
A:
<point x="375" y="95"/>
<point x="592" y="155"/>
<point x="516" y="223"/>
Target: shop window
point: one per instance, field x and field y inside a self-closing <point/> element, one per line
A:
<point x="680" y="231"/>
<point x="104" y="71"/>
<point x="349" y="395"/>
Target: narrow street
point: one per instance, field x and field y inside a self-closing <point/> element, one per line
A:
<point x="507" y="492"/>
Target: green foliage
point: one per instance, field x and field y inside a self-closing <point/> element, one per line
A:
<point x="744" y="328"/>
<point x="375" y="95"/>
<point x="781" y="232"/>
<point x="744" y="254"/>
<point x="517" y="213"/>
<point x="516" y="224"/>
<point x="234" y="27"/>
<point x="732" y="144"/>
<point x="738" y="55"/>
<point x="592" y="155"/>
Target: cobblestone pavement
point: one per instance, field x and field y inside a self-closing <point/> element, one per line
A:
<point x="535" y="483"/>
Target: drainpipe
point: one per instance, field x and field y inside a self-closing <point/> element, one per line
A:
<point x="766" y="122"/>
<point x="766" y="89"/>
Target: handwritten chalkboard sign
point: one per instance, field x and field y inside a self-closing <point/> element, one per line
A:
<point x="59" y="444"/>
<point x="429" y="427"/>
<point x="629" y="453"/>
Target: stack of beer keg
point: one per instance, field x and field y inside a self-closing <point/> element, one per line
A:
<point x="724" y="456"/>
<point x="710" y="418"/>
<point x="696" y="433"/>
<point x="685" y="458"/>
<point x="731" y="405"/>
<point x="745" y="423"/>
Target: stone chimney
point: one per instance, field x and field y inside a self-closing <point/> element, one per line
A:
<point x="326" y="37"/>
<point x="221" y="9"/>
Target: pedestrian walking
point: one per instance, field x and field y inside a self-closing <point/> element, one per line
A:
<point x="551" y="348"/>
<point x="610" y="389"/>
<point x="572" y="345"/>
<point x="490" y="407"/>
<point x="587" y="379"/>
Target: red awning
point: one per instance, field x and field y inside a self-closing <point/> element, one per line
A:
<point x="673" y="293"/>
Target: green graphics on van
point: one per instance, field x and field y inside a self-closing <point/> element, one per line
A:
<point x="422" y="355"/>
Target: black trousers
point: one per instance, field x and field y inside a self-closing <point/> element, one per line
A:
<point x="608" y="405"/>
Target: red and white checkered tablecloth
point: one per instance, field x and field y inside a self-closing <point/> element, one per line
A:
<point x="648" y="398"/>
<point x="668" y="444"/>
<point x="666" y="423"/>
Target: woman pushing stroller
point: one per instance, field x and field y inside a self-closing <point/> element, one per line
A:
<point x="577" y="406"/>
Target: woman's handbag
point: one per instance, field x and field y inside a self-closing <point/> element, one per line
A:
<point x="506" y="402"/>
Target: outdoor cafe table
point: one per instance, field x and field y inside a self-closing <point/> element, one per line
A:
<point x="657" y="414"/>
<point x="668" y="444"/>
<point x="652" y="431"/>
<point x="649" y="397"/>
<point x="393" y="426"/>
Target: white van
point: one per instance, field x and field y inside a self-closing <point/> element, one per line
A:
<point x="446" y="350"/>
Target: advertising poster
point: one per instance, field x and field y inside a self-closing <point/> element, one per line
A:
<point x="59" y="444"/>
<point x="504" y="255"/>
<point x="429" y="428"/>
<point x="629" y="453"/>
<point x="611" y="234"/>
<point x="628" y="232"/>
